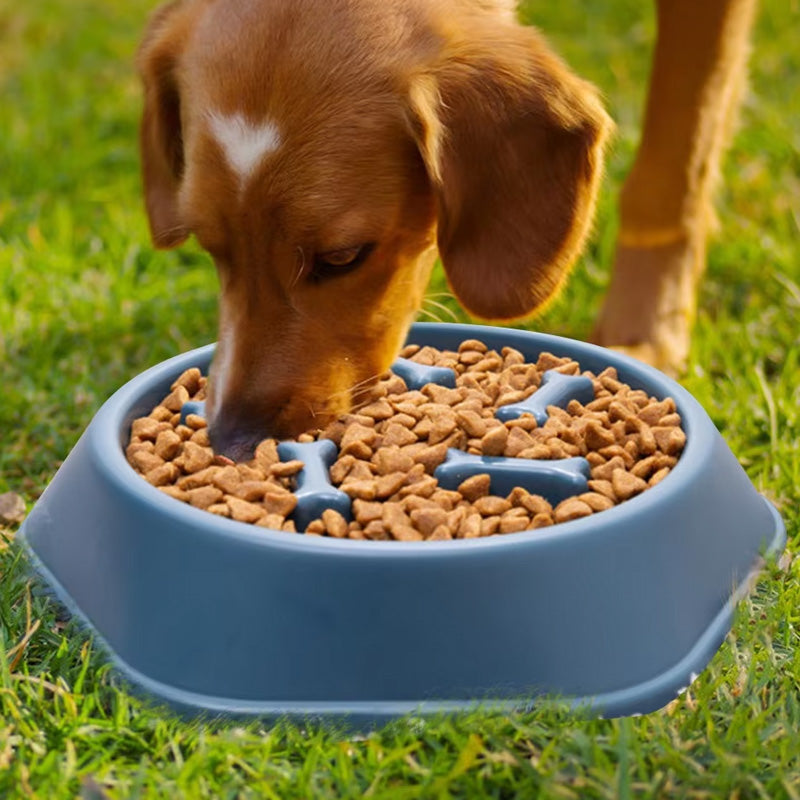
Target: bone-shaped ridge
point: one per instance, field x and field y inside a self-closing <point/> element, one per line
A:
<point x="417" y="375"/>
<point x="556" y="389"/>
<point x="555" y="480"/>
<point x="314" y="492"/>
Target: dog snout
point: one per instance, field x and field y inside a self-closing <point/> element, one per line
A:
<point x="233" y="441"/>
<point x="236" y="428"/>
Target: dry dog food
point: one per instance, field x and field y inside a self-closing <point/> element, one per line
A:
<point x="390" y="447"/>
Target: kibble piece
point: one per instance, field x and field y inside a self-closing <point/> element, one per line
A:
<point x="168" y="444"/>
<point x="431" y="456"/>
<point x="160" y="476"/>
<point x="146" y="428"/>
<point x="644" y="467"/>
<point x="603" y="487"/>
<point x="652" y="413"/>
<point x="472" y="423"/>
<point x="316" y="527"/>
<point x="542" y="521"/>
<point x="392" y="459"/>
<point x="356" y="438"/>
<point x="194" y="458"/>
<point x="175" y="400"/>
<point x="366" y="511"/>
<point x="446" y="498"/>
<point x="538" y="451"/>
<point x="443" y="394"/>
<point x="335" y="523"/>
<point x="626" y="485"/>
<point x="441" y="534"/>
<point x="184" y="432"/>
<point x="279" y="503"/>
<point x="243" y="511"/>
<point x="340" y="468"/>
<point x="249" y="472"/>
<point x="200" y="478"/>
<point x="161" y="414"/>
<point x="190" y="379"/>
<point x="571" y="508"/>
<point x="378" y="410"/>
<point x="406" y="533"/>
<point x="266" y="454"/>
<point x="273" y="521"/>
<point x="137" y="444"/>
<point x="670" y="440"/>
<point x="518" y="440"/>
<point x="525" y="421"/>
<point x="475" y="487"/>
<point x="659" y="476"/>
<point x="442" y="426"/>
<point x="424" y="487"/>
<point x="533" y="503"/>
<point x="647" y="441"/>
<point x="426" y="520"/>
<point x="201" y="438"/>
<point x="387" y="485"/>
<point x="286" y="469"/>
<point x="598" y="437"/>
<point x="411" y="502"/>
<point x="375" y="531"/>
<point x="204" y="496"/>
<point x="363" y="489"/>
<point x="228" y="479"/>
<point x="491" y="505"/>
<point x="494" y="442"/>
<point x="472" y="344"/>
<point x="396" y="435"/>
<point x="596" y="501"/>
<point x="617" y="452"/>
<point x="251" y="490"/>
<point x="470" y="526"/>
<point x="175" y="492"/>
<point x="514" y="524"/>
<point x="490" y="525"/>
<point x="393" y="516"/>
<point x="144" y="460"/>
<point x="605" y="471"/>
<point x="220" y="509"/>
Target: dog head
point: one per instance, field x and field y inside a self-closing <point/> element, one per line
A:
<point x="324" y="152"/>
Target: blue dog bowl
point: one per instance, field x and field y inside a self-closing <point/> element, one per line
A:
<point x="616" y="612"/>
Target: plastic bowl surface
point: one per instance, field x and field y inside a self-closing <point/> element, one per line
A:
<point x="617" y="612"/>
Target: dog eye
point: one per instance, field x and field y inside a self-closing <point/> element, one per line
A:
<point x="338" y="262"/>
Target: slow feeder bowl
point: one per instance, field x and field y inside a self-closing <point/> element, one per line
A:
<point x="617" y="611"/>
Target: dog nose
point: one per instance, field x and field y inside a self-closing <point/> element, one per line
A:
<point x="233" y="444"/>
<point x="234" y="437"/>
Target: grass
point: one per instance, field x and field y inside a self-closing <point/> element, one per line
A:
<point x="86" y="303"/>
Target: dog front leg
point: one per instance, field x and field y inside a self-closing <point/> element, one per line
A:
<point x="699" y="69"/>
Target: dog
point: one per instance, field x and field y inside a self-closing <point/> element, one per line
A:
<point x="324" y="154"/>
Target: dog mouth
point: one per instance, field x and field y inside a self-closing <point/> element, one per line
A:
<point x="236" y="432"/>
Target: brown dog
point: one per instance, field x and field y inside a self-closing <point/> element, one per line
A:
<point x="323" y="152"/>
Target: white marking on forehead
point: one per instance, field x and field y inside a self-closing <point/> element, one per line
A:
<point x="244" y="143"/>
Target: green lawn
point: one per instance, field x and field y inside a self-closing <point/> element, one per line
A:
<point x="86" y="303"/>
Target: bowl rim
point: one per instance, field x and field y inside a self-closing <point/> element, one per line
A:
<point x="112" y="424"/>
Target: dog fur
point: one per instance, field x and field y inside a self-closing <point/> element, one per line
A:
<point x="324" y="152"/>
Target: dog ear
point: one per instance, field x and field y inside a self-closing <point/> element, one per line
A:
<point x="160" y="134"/>
<point x="513" y="144"/>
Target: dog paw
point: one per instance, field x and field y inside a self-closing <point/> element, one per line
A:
<point x="649" y="308"/>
